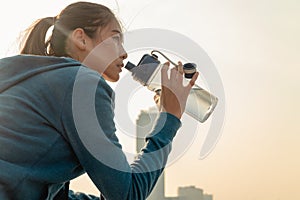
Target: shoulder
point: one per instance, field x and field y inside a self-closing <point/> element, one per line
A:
<point x="88" y="81"/>
<point x="67" y="71"/>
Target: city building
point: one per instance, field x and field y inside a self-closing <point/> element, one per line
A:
<point x="207" y="197"/>
<point x="144" y="124"/>
<point x="189" y="193"/>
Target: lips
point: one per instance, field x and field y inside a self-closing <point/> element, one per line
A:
<point x="120" y="66"/>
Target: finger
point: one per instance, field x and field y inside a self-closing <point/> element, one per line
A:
<point x="156" y="98"/>
<point x="173" y="74"/>
<point x="164" y="73"/>
<point x="193" y="80"/>
<point x="179" y="77"/>
<point x="180" y="67"/>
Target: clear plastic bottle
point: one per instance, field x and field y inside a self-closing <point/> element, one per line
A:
<point x="200" y="103"/>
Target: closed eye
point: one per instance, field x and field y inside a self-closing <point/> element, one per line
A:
<point x="117" y="39"/>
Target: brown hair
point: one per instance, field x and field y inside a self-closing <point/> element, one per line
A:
<point x="85" y="15"/>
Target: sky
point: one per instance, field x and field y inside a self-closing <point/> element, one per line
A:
<point x="255" y="47"/>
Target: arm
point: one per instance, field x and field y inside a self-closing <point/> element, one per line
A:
<point x="97" y="147"/>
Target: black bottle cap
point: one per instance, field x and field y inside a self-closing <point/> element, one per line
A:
<point x="189" y="69"/>
<point x="130" y="66"/>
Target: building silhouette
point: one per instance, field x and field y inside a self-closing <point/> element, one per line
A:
<point x="207" y="197"/>
<point x="144" y="124"/>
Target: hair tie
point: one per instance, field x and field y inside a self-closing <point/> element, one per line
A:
<point x="54" y="19"/>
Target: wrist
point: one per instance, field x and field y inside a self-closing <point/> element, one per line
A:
<point x="177" y="115"/>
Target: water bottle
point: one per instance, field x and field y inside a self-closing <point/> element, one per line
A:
<point x="200" y="103"/>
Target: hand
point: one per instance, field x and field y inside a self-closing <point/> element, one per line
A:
<point x="174" y="94"/>
<point x="156" y="97"/>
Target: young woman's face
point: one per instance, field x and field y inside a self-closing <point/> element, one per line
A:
<point x="107" y="53"/>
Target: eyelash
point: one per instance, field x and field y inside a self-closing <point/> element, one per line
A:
<point x="117" y="39"/>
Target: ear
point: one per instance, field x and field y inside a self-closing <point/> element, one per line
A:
<point x="78" y="38"/>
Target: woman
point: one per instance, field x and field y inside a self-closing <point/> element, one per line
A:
<point x="42" y="148"/>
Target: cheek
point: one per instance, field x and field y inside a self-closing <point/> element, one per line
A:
<point x="111" y="73"/>
<point x="101" y="56"/>
<point x="110" y="49"/>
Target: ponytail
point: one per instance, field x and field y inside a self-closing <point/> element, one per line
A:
<point x="85" y="15"/>
<point x="36" y="35"/>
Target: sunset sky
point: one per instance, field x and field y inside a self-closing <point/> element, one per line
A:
<point x="255" y="46"/>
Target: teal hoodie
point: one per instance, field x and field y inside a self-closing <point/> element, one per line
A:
<point x="42" y="147"/>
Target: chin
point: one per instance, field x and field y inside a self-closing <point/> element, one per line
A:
<point x="111" y="79"/>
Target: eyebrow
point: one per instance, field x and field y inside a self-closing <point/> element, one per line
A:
<point x="116" y="31"/>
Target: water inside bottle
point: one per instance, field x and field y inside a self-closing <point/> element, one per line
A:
<point x="154" y="82"/>
<point x="200" y="104"/>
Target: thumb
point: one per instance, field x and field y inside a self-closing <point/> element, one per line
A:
<point x="193" y="80"/>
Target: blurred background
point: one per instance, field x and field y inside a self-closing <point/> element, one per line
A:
<point x="255" y="47"/>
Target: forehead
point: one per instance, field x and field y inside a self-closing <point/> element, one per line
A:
<point x="113" y="27"/>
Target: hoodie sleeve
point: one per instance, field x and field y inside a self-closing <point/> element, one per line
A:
<point x="88" y="120"/>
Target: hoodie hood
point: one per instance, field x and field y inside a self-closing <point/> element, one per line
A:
<point x="16" y="69"/>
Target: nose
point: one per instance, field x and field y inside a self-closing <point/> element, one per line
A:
<point x="123" y="53"/>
